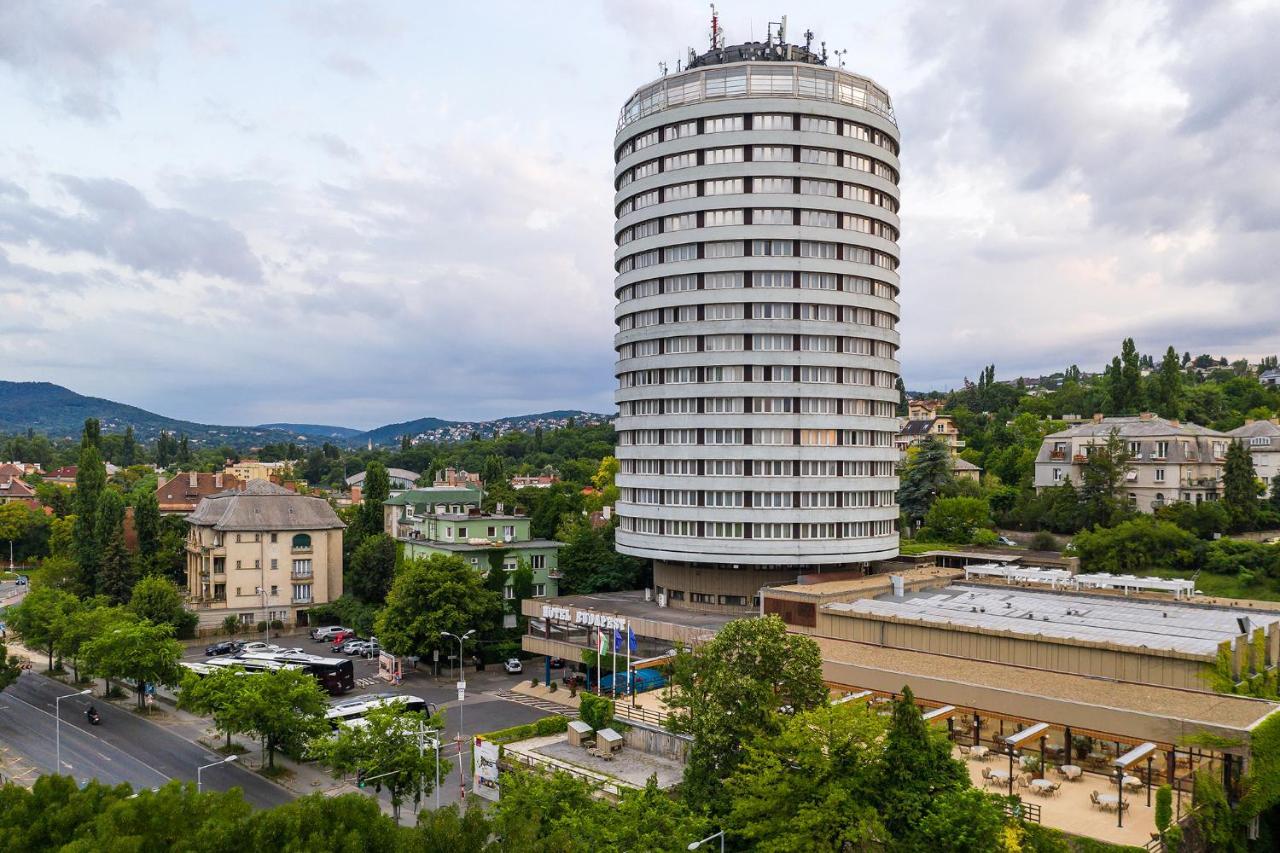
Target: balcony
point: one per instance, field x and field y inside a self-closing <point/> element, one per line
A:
<point x="555" y="574"/>
<point x="1058" y="455"/>
<point x="301" y="600"/>
<point x="297" y="575"/>
<point x="300" y="549"/>
<point x="1080" y="458"/>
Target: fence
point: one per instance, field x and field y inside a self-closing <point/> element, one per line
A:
<point x="640" y="714"/>
<point x="1020" y="810"/>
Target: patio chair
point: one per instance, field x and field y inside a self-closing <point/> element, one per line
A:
<point x="964" y="750"/>
<point x="1023" y="780"/>
<point x="1093" y="798"/>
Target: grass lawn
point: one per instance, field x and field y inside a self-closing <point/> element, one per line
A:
<point x="1224" y="586"/>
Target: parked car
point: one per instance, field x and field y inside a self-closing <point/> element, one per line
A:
<point x="513" y="666"/>
<point x="1270" y="540"/>
<point x="368" y="648"/>
<point x="22" y="580"/>
<point x="226" y="647"/>
<point x="1006" y="541"/>
<point x="342" y="639"/>
<point x="329" y="633"/>
<point x="557" y="663"/>
<point x="258" y="646"/>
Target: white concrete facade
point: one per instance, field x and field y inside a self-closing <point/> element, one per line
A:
<point x="757" y="309"/>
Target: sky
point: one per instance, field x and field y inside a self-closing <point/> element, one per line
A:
<point x="364" y="212"/>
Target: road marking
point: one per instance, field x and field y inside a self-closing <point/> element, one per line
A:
<point x="92" y="735"/>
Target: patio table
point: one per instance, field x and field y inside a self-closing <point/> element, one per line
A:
<point x="1042" y="786"/>
<point x="978" y="752"/>
<point x="1132" y="782"/>
<point x="1108" y="799"/>
<point x="1071" y="771"/>
<point x="999" y="775"/>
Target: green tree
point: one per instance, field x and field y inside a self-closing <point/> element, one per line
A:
<point x="1166" y="386"/>
<point x="56" y="497"/>
<point x="373" y="568"/>
<point x="115" y="568"/>
<point x="813" y="784"/>
<point x="739" y="685"/>
<point x="285" y="708"/>
<point x="376" y="489"/>
<point x="1240" y="486"/>
<point x="138" y="652"/>
<point x="521" y="583"/>
<point x="91" y="436"/>
<point x="86" y="623"/>
<point x="129" y="448"/>
<point x="1124" y="380"/>
<point x="159" y="600"/>
<point x="916" y="768"/>
<point x="1214" y="822"/>
<point x="925" y="475"/>
<point x="10" y="667"/>
<point x="1102" y="496"/>
<point x="1139" y="544"/>
<point x="391" y="741"/>
<point x="219" y="695"/>
<point x="962" y="820"/>
<point x="91" y="481"/>
<point x="42" y="617"/>
<point x="596" y="711"/>
<point x="451" y="830"/>
<point x="439" y="593"/>
<point x="15" y="519"/>
<point x="956" y="519"/>
<point x="147" y="524"/>
<point x="1273" y="499"/>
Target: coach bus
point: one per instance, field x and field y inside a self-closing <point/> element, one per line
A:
<point x="352" y="711"/>
<point x="336" y="675"/>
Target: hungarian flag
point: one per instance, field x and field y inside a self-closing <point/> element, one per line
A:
<point x="604" y="643"/>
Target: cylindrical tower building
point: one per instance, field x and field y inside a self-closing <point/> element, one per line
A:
<point x="757" y="255"/>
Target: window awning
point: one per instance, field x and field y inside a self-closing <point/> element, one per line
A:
<point x="940" y="712"/>
<point x="1135" y="755"/>
<point x="1026" y="734"/>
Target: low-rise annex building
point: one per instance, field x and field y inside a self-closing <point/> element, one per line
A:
<point x="1169" y="460"/>
<point x="261" y="553"/>
<point x="1263" y="440"/>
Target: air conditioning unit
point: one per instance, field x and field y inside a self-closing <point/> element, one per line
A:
<point x="648" y="594"/>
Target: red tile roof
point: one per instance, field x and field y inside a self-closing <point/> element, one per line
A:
<point x="182" y="494"/>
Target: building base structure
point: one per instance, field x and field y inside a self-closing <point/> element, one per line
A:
<point x="731" y="588"/>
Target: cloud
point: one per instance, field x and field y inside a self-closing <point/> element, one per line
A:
<point x="114" y="222"/>
<point x="349" y="66"/>
<point x="334" y="146"/>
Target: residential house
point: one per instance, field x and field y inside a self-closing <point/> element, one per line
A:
<point x="1270" y="377"/>
<point x="1263" y="440"/>
<point x="251" y="469"/>
<point x="1170" y="460"/>
<point x="181" y="494"/>
<point x="925" y="419"/>
<point x="262" y="552"/>
<point x="448" y="520"/>
<point x="456" y="477"/>
<point x="963" y="469"/>
<point x="14" y="490"/>
<point x="64" y="476"/>
<point x="544" y="481"/>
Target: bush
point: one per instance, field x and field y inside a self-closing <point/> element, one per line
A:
<point x="231" y="625"/>
<point x="1044" y="541"/>
<point x="277" y="625"/>
<point x="984" y="536"/>
<point x="955" y="519"/>
<point x="262" y="627"/>
<point x="533" y="682"/>
<point x="539" y="728"/>
<point x="596" y="711"/>
<point x="1164" y="808"/>
<point x="552" y="687"/>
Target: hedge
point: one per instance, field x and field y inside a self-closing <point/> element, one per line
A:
<point x="539" y="728"/>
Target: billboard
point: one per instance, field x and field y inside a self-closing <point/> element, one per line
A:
<point x="484" y="775"/>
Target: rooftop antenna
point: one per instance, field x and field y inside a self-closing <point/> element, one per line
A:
<point x="782" y="31"/>
<point x="716" y="37"/>
<point x="808" y="40"/>
<point x="840" y="54"/>
<point x="824" y="52"/>
<point x="662" y="66"/>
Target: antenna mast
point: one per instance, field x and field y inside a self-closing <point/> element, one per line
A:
<point x="717" y="37"/>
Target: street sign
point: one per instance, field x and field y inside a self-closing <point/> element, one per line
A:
<point x="462" y="690"/>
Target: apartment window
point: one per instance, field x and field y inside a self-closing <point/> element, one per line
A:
<point x="715" y="218"/>
<point x="1162" y="450"/>
<point x="686" y="343"/>
<point x="1057" y="475"/>
<point x="772" y="153"/>
<point x="722" y="343"/>
<point x="772" y="405"/>
<point x="771" y="531"/>
<point x="644" y="170"/>
<point x="772" y="216"/>
<point x="780" y="248"/>
<point x="538" y="561"/>
<point x="275" y="590"/>
<point x="1159" y="475"/>
<point x="771" y="311"/>
<point x="685" y="252"/>
<point x="771" y="436"/>
<point x="818" y="218"/>
<point x="682" y="222"/>
<point x="713" y="156"/>
<point x="539" y="590"/>
<point x="681" y="130"/>
<point x="723" y="311"/>
<point x="1135" y="449"/>
<point x="811" y="249"/>
<point x="819" y="281"/>
<point x="818" y="156"/>
<point x="771" y="343"/>
<point x="302" y="592"/>
<point x="724" y="467"/>
<point x="771" y="279"/>
<point x="273" y="537"/>
<point x="772" y="121"/>
<point x="723" y="249"/>
<point x="825" y="313"/>
<point x="723" y="436"/>
<point x="822" y="343"/>
<point x="731" y="499"/>
<point x="676" y="192"/>
<point x="812" y="187"/>
<point x="274" y="563"/>
<point x="680" y="161"/>
<point x="771" y="500"/>
<point x="722" y="280"/>
<point x="817" y="125"/>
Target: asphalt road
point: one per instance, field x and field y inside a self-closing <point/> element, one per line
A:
<point x="124" y="748"/>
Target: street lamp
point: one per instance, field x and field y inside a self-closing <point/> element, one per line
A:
<point x="57" y="726"/>
<point x="462" y="692"/>
<point x="694" y="845"/>
<point x="266" y="614"/>
<point x="199" y="770"/>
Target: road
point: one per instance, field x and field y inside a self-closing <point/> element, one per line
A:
<point x="124" y="748"/>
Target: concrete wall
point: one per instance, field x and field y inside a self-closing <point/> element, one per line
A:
<point x="656" y="741"/>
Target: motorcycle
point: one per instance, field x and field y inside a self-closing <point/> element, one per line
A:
<point x="93" y="716"/>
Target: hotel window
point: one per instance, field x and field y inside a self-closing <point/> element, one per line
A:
<point x="724" y="530"/>
<point x="722" y="186"/>
<point x="682" y="314"/>
<point x="817" y="500"/>
<point x="771" y="311"/>
<point x="771" y="500"/>
<point x="722" y="124"/>
<point x="723" y="373"/>
<point x="818" y="281"/>
<point x="853" y="161"/>
<point x="818" y="406"/>
<point x="714" y="156"/>
<point x="681" y="130"/>
<point x="730" y="499"/>
<point x="687" y="343"/>
<point x="819" y="374"/>
<point x="817" y="437"/>
<point x="681" y="375"/>
<point x="772" y="405"/>
<point x="772" y="121"/>
<point x="772" y="216"/>
<point x="723" y="249"/>
<point x="539" y="590"/>
<point x="716" y="218"/>
<point x="722" y="343"/>
<point x="771" y="279"/>
<point x="778" y="248"/>
<point x="682" y="528"/>
<point x="681" y="222"/>
<point x="680" y="161"/>
<point x="722" y="405"/>
<point x="722" y="436"/>
<point x="772" y="185"/>
<point x="644" y="170"/>
<point x="824" y="313"/>
<point x="724" y="468"/>
<point x="676" y="192"/>
<point x="817" y="343"/>
<point x="722" y="280"/>
<point x="812" y="187"/>
<point x="685" y="252"/>
<point x="781" y="373"/>
<point x="811" y="249"/>
<point x="771" y="468"/>
<point x="680" y="283"/>
<point x="773" y="153"/>
<point x="771" y="343"/>
<point x="814" y="124"/>
<point x="818" y="156"/>
<point x="645" y="140"/>
<point x="771" y="436"/>
<point x="680" y="436"/>
<point x="771" y="531"/>
<point x="723" y="311"/>
<point x="818" y="218"/>
<point x="648" y="199"/>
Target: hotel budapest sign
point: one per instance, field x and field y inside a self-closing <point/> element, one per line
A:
<point x="583" y="617"/>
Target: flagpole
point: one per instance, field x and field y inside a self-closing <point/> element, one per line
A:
<point x="613" y="681"/>
<point x="630" y="687"/>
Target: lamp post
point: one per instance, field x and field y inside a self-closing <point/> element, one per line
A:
<point x="462" y="692"/>
<point x="266" y="614"/>
<point x="694" y="845"/>
<point x="57" y="726"/>
<point x="199" y="770"/>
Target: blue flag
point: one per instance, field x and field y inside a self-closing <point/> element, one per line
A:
<point x="617" y="640"/>
<point x="631" y="639"/>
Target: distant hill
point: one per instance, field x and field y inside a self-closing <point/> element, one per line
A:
<point x="313" y="430"/>
<point x="59" y="412"/>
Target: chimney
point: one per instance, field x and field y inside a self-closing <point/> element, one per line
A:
<point x="193" y="479"/>
<point x="1175" y="422"/>
<point x="1146" y="416"/>
<point x="357" y="495"/>
<point x="217" y="481"/>
<point x="1097" y="417"/>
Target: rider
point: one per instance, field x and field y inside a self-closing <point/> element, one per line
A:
<point x="92" y="713"/>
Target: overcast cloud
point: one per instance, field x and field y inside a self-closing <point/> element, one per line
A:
<point x="365" y="212"/>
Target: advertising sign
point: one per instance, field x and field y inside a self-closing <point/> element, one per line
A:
<point x="485" y="774"/>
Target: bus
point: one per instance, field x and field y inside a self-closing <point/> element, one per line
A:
<point x="210" y="665"/>
<point x="336" y="675"/>
<point x="352" y="711"/>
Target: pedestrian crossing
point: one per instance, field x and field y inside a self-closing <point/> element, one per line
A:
<point x="368" y="681"/>
<point x="539" y="703"/>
